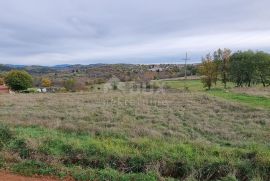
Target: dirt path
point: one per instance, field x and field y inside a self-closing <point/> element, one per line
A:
<point x="5" y="176"/>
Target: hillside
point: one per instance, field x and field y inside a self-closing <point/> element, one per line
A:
<point x="123" y="136"/>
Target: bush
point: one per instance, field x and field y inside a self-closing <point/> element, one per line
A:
<point x="18" y="80"/>
<point x="70" y="84"/>
<point x="74" y="85"/>
<point x="46" y="82"/>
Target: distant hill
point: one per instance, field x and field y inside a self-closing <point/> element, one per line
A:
<point x="60" y="66"/>
<point x="4" y="68"/>
<point x="14" y="66"/>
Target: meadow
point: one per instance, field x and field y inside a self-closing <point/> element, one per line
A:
<point x="256" y="96"/>
<point x="174" y="135"/>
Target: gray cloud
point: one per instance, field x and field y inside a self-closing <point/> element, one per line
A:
<point x="51" y="32"/>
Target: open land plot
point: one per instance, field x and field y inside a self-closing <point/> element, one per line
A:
<point x="256" y="97"/>
<point x="142" y="136"/>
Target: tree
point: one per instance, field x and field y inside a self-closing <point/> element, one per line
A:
<point x="74" y="85"/>
<point x="18" y="80"/>
<point x="263" y="67"/>
<point x="46" y="82"/>
<point x="70" y="84"/>
<point x="222" y="58"/>
<point x="243" y="68"/>
<point x="208" y="70"/>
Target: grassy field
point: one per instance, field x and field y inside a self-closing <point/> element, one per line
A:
<point x="193" y="85"/>
<point x="193" y="135"/>
<point x="256" y="97"/>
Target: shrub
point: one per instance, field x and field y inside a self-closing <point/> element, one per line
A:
<point x="46" y="82"/>
<point x="74" y="85"/>
<point x="69" y="84"/>
<point x="18" y="80"/>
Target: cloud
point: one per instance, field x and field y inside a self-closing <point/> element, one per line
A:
<point x="51" y="32"/>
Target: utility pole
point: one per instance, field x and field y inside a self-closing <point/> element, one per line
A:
<point x="186" y="59"/>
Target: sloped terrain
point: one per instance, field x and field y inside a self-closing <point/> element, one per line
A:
<point x="127" y="136"/>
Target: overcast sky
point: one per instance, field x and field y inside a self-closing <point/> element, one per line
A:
<point x="50" y="32"/>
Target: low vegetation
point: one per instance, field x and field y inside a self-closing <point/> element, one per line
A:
<point x="18" y="80"/>
<point x="134" y="136"/>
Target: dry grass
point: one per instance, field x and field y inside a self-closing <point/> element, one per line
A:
<point x="255" y="91"/>
<point x="134" y="136"/>
<point x="184" y="116"/>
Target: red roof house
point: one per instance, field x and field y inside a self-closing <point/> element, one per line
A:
<point x="4" y="89"/>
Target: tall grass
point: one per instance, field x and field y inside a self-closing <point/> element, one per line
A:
<point x="134" y="136"/>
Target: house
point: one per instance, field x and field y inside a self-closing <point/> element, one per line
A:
<point x="156" y="68"/>
<point x="4" y="89"/>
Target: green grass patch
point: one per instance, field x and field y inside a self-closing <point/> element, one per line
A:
<point x="253" y="101"/>
<point x="192" y="85"/>
<point x="218" y="91"/>
<point x="112" y="158"/>
<point x="110" y="174"/>
<point x="32" y="167"/>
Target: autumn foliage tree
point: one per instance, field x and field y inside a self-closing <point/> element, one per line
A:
<point x="209" y="71"/>
<point x="222" y="58"/>
<point x="46" y="82"/>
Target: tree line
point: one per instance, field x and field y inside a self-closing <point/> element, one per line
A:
<point x="244" y="68"/>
